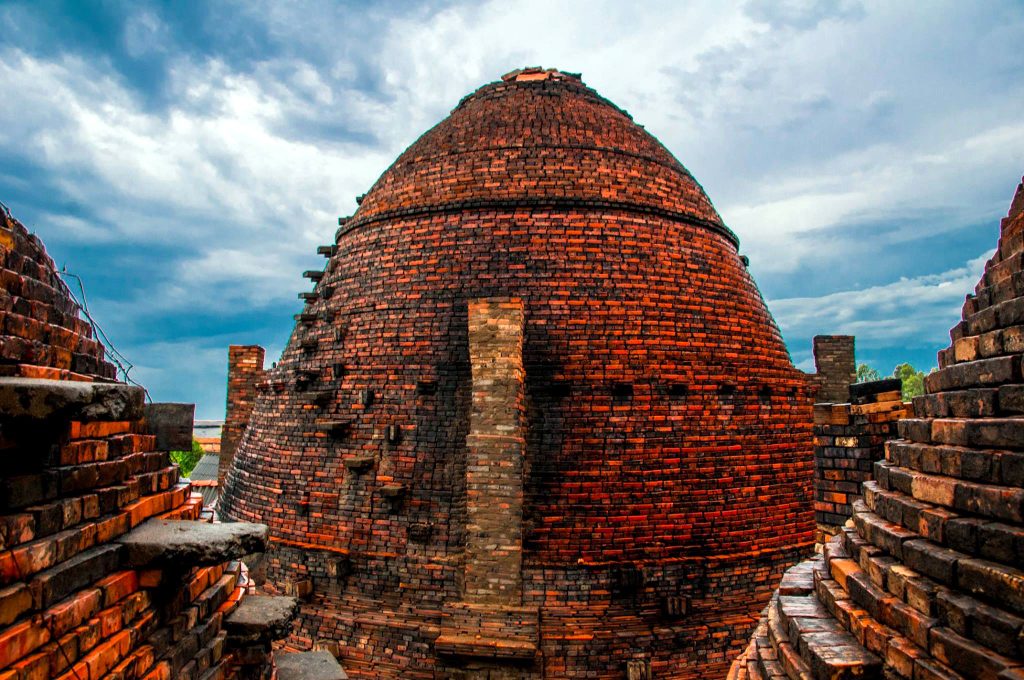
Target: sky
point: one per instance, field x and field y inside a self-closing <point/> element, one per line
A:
<point x="186" y="159"/>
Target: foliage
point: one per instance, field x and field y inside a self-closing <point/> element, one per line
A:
<point x="187" y="460"/>
<point x="867" y="374"/>
<point x="913" y="380"/>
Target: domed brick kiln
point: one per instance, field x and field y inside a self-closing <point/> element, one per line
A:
<point x="535" y="419"/>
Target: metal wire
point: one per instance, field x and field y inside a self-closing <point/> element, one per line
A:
<point x="115" y="356"/>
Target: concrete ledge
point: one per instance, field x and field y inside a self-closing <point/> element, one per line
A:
<point x="190" y="543"/>
<point x="40" y="399"/>
<point x="308" y="666"/>
<point x="262" y="618"/>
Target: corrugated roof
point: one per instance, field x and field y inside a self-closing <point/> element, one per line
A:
<point x="207" y="428"/>
<point x="206" y="468"/>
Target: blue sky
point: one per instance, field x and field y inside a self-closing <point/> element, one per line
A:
<point x="185" y="159"/>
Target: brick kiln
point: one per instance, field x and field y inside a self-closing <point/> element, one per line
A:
<point x="927" y="583"/>
<point x="535" y="419"/>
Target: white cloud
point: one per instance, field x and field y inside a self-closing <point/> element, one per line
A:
<point x="912" y="311"/>
<point x="878" y="182"/>
<point x="214" y="176"/>
<point x="799" y="118"/>
<point x="144" y="33"/>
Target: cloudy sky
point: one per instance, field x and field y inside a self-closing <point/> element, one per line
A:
<point x="185" y="159"/>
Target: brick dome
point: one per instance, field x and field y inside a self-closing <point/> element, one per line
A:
<point x="543" y="142"/>
<point x="646" y="434"/>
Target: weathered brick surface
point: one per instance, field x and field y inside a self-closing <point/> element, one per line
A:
<point x="929" y="578"/>
<point x="495" y="454"/>
<point x="667" y="437"/>
<point x="41" y="334"/>
<point x="835" y="368"/>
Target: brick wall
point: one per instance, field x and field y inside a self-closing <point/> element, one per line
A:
<point x="245" y="372"/>
<point x="495" y="447"/>
<point x="488" y="627"/>
<point x="835" y="366"/>
<point x="848" y="439"/>
<point x="927" y="581"/>
<point x="41" y="334"/>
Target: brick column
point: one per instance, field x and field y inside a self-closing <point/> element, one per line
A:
<point x="489" y="628"/>
<point x="494" y="450"/>
<point x="836" y="367"/>
<point x="245" y="370"/>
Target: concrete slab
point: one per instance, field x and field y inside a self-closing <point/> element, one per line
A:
<point x="191" y="543"/>
<point x="308" y="666"/>
<point x="39" y="399"/>
<point x="262" y="617"/>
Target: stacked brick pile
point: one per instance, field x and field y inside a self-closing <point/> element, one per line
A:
<point x="667" y="459"/>
<point x="41" y="335"/>
<point x="848" y="439"/>
<point x="928" y="583"/>
<point x="95" y="581"/>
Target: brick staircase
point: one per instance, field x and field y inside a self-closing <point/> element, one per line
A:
<point x="927" y="580"/>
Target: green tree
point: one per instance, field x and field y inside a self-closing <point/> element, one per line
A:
<point x="867" y="374"/>
<point x="187" y="460"/>
<point x="913" y="380"/>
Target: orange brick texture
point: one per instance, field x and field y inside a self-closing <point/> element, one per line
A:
<point x="667" y="463"/>
<point x="69" y="608"/>
<point x="927" y="583"/>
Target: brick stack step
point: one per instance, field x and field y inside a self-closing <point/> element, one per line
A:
<point x="798" y="638"/>
<point x="923" y="621"/>
<point x="929" y="574"/>
<point x="854" y="619"/>
<point x="41" y="333"/>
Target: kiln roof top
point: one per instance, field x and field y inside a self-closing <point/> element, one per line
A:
<point x="538" y="138"/>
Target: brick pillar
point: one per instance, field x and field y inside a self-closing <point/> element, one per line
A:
<point x="245" y="370"/>
<point x="488" y="629"/>
<point x="836" y="367"/>
<point x="494" y="449"/>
